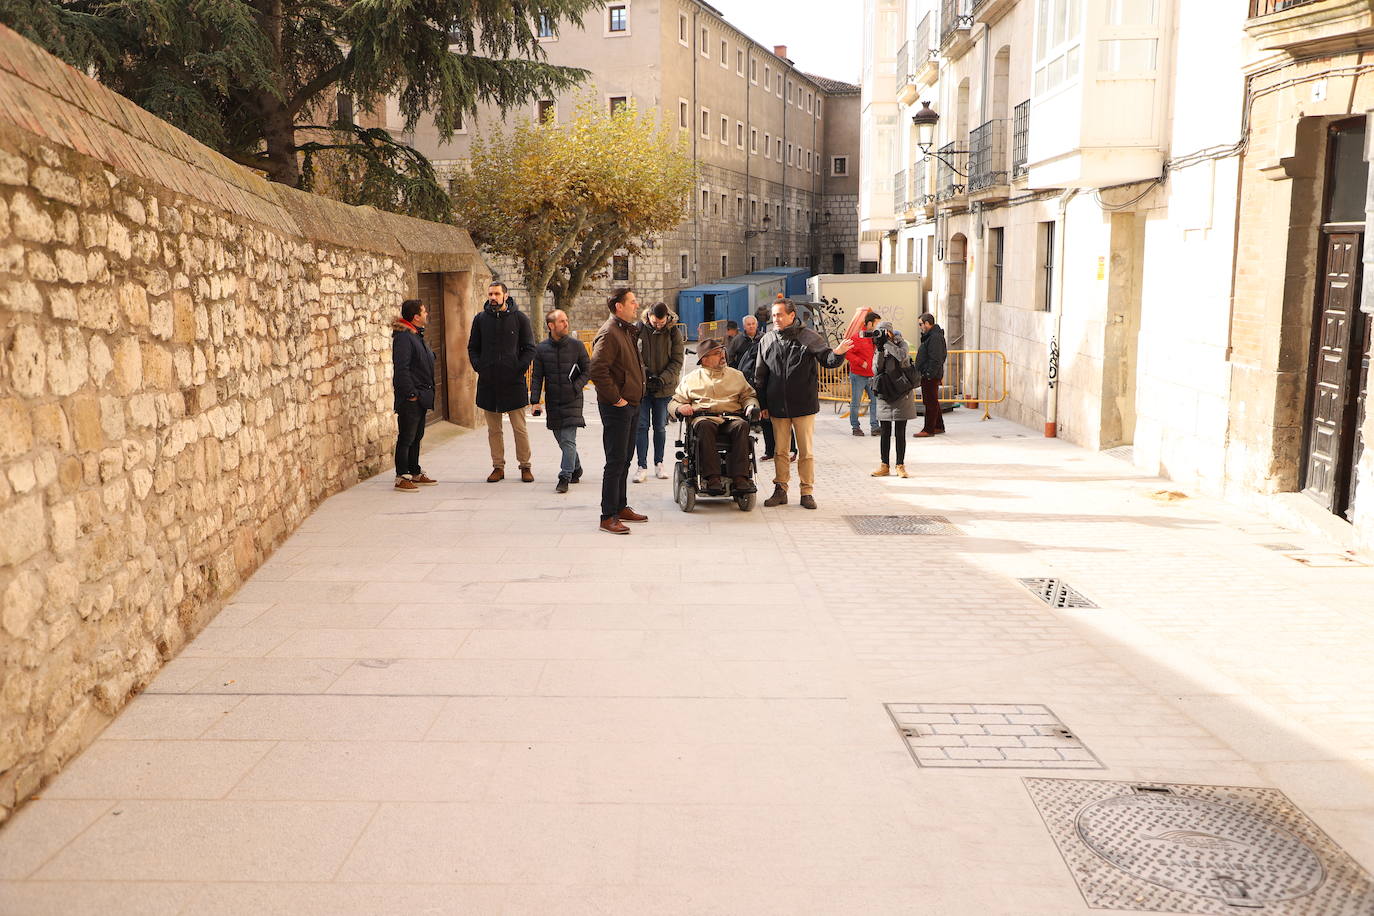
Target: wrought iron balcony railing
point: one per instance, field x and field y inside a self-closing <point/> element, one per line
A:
<point x="987" y="164"/>
<point x="948" y="182"/>
<point x="1020" y="139"/>
<point x="920" y="182"/>
<point x="1265" y="7"/>
<point x="955" y="16"/>
<point x="905" y="68"/>
<point x="924" y="46"/>
<point x="899" y="189"/>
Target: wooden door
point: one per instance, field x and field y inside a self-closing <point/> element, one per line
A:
<point x="1361" y="375"/>
<point x="1333" y="396"/>
<point x="432" y="295"/>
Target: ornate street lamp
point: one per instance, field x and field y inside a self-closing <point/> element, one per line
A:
<point x="750" y="233"/>
<point x="926" y="120"/>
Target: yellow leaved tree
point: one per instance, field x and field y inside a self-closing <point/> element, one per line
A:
<point x="562" y="199"/>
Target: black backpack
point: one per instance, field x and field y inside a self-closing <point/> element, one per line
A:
<point x="896" y="380"/>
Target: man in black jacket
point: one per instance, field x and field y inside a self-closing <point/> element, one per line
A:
<point x="501" y="347"/>
<point x="560" y="369"/>
<point x="788" y="386"/>
<point x="412" y="386"/>
<point x="930" y="363"/>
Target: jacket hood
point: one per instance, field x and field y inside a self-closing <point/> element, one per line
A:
<point x="672" y="321"/>
<point x="399" y="326"/>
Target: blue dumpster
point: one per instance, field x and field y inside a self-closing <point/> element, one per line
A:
<point x="712" y="302"/>
<point x="795" y="278"/>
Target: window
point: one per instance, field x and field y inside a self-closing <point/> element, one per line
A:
<point x="789" y="154"/>
<point x="617" y="18"/>
<point x="545" y="27"/>
<point x="715" y="207"/>
<point x="810" y="98"/>
<point x="724" y="54"/>
<point x="753" y="140"/>
<point x="739" y="134"/>
<point x="682" y="265"/>
<point x="683" y="118"/>
<point x="739" y="207"/>
<point x="753" y="263"/>
<point x="780" y="149"/>
<point x="705" y="200"/>
<point x="706" y="123"/>
<point x="767" y="76"/>
<point x="546" y="112"/>
<point x="789" y="92"/>
<point x="620" y="267"/>
<point x="739" y="61"/>
<point x="683" y="36"/>
<point x="818" y="108"/>
<point x="725" y="265"/>
<point x="344" y="110"/>
<point x="617" y="102"/>
<point x="768" y="146"/>
<point x="723" y="208"/>
<point x="725" y="130"/>
<point x="705" y="43"/>
<point x="1044" y="259"/>
<point x="779" y="85"/>
<point x="839" y="166"/>
<point x="995" y="254"/>
<point x="754" y="71"/>
<point x="1058" y="36"/>
<point x="753" y="211"/>
<point x="808" y="160"/>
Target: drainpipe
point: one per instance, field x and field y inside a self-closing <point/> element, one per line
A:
<point x="1057" y="304"/>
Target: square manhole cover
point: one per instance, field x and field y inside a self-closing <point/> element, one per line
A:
<point x="1056" y="593"/>
<point x="989" y="736"/>
<point x="1197" y="849"/>
<point x="901" y="524"/>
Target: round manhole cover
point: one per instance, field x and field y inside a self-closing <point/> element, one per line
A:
<point x="1200" y="847"/>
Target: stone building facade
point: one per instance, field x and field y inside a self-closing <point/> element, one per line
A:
<point x="1172" y="272"/>
<point x="191" y="360"/>
<point x="765" y="137"/>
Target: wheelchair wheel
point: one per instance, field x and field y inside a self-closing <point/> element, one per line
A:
<point x="686" y="496"/>
<point x="746" y="501"/>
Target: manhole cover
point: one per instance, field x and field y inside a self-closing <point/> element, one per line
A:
<point x="989" y="736"/>
<point x="1326" y="559"/>
<point x="1197" y="849"/>
<point x="901" y="524"/>
<point x="1056" y="593"/>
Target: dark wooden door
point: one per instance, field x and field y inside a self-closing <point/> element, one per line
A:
<point x="1333" y="398"/>
<point x="432" y="295"/>
<point x="1361" y="407"/>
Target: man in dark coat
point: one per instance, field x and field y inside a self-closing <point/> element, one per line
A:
<point x="560" y="368"/>
<point x="412" y="386"/>
<point x="501" y="347"/>
<point x="788" y="385"/>
<point x="930" y="363"/>
<point x="618" y="376"/>
<point x="747" y="360"/>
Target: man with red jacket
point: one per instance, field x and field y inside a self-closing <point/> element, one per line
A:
<point x="860" y="358"/>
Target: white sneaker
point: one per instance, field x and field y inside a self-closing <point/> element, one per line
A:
<point x="641" y="475"/>
<point x="659" y="472"/>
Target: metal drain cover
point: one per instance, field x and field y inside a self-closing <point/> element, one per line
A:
<point x="1197" y="849"/>
<point x="989" y="736"/>
<point x="901" y="524"/>
<point x="1056" y="593"/>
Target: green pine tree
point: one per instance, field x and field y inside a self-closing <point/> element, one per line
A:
<point x="249" y="78"/>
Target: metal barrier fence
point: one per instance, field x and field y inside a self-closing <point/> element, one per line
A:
<point x="973" y="378"/>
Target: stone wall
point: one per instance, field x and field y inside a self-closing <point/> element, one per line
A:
<point x="191" y="359"/>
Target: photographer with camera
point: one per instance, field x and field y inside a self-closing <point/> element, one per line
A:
<point x="862" y="367"/>
<point x="895" y="381"/>
<point x="661" y="349"/>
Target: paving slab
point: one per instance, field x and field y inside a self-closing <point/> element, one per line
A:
<point x="470" y="700"/>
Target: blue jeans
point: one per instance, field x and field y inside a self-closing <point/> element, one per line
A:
<point x="567" y="441"/>
<point x="655" y="410"/>
<point x="858" y="384"/>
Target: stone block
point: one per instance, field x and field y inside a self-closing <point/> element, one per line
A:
<point x="157" y="367"/>
<point x="28" y="361"/>
<point x="68" y="366"/>
<point x="66" y="228"/>
<point x="12" y="255"/>
<point x="16" y="428"/>
<point x="64" y="528"/>
<point x="13" y="169"/>
<point x="112" y="417"/>
<point x="84" y="413"/>
<point x="22" y="296"/>
<point x="22" y="599"/>
<point x="23" y="531"/>
<point x="183" y="318"/>
<point x="57" y="185"/>
<point x="97" y="308"/>
<point x="71" y="266"/>
<point x="160" y="319"/>
<point x="62" y="304"/>
<point x="70" y="473"/>
<point x="41" y="267"/>
<point x="117" y="241"/>
<point x="30" y="221"/>
<point x="128" y="366"/>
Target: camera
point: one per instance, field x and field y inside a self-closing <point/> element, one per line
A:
<point x="875" y="334"/>
<point x="653" y="382"/>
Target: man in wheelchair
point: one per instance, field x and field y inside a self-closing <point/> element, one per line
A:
<point x="718" y="405"/>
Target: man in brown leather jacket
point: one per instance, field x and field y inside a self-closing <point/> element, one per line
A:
<point x="619" y="379"/>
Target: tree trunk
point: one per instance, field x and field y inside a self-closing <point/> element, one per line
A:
<point x="280" y="133"/>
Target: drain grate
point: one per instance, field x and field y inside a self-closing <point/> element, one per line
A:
<point x="1056" y="593"/>
<point x="902" y="524"/>
<point x="989" y="736"/>
<point x="1197" y="849"/>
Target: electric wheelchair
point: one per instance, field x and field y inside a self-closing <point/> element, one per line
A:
<point x="689" y="484"/>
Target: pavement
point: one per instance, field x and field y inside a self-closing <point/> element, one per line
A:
<point x="470" y="700"/>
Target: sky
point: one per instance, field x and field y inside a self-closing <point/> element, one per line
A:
<point x="822" y="36"/>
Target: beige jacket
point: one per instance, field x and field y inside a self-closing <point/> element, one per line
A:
<point x="719" y="390"/>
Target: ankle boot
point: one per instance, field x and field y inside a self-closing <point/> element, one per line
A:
<point x="882" y="471"/>
<point x="779" y="497"/>
<point x="901" y="470"/>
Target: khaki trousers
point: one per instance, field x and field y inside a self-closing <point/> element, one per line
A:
<point x="805" y="430"/>
<point x="496" y="441"/>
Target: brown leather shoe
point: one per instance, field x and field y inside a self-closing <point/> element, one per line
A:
<point x="629" y="515"/>
<point x="614" y="526"/>
<point x="495" y="475"/>
<point x="527" y="475"/>
<point x="923" y="435"/>
<point x="423" y="480"/>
